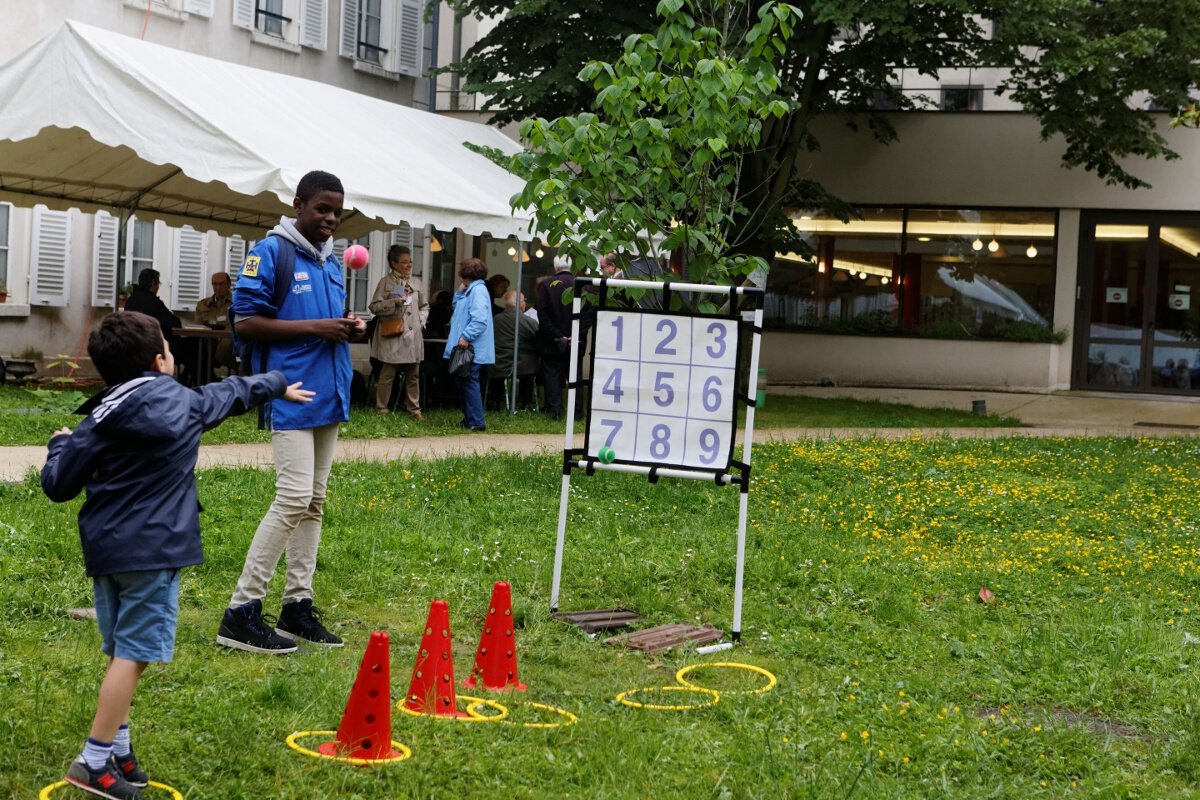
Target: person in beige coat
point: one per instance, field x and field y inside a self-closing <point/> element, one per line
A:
<point x="397" y="295"/>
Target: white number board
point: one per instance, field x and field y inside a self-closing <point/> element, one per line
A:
<point x="662" y="389"/>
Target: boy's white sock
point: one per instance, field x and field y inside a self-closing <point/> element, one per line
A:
<point x="121" y="744"/>
<point x="96" y="754"/>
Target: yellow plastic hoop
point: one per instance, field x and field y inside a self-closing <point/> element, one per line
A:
<point x="472" y="716"/>
<point x="622" y="698"/>
<point x="360" y="762"/>
<point x="571" y="718"/>
<point x="771" y="681"/>
<point x="47" y="791"/>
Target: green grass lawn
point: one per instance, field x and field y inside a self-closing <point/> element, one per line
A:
<point x="863" y="567"/>
<point x="28" y="417"/>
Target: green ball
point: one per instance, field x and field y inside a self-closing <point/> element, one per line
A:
<point x="606" y="455"/>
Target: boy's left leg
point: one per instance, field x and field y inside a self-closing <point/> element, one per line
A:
<point x="299" y="619"/>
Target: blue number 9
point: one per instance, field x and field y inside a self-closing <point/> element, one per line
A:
<point x="710" y="443"/>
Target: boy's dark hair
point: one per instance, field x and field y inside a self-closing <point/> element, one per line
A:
<point x="147" y="277"/>
<point x="124" y="346"/>
<point x="397" y="250"/>
<point x="317" y="181"/>
<point x="472" y="269"/>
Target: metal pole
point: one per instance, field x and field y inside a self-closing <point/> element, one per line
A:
<point x="512" y="397"/>
<point x="744" y="498"/>
<point x="568" y="444"/>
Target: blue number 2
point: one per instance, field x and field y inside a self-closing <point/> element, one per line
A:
<point x="669" y="326"/>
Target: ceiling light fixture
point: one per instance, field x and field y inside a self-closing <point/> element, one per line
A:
<point x="977" y="244"/>
<point x="993" y="245"/>
<point x="1032" y="251"/>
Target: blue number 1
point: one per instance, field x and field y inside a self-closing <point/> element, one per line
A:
<point x="617" y="323"/>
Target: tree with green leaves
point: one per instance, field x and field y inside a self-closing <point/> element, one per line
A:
<point x="1077" y="65"/>
<point x="656" y="168"/>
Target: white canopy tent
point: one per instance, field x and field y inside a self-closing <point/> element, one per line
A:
<point x="95" y="120"/>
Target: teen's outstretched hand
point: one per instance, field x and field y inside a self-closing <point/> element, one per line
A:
<point x="298" y="395"/>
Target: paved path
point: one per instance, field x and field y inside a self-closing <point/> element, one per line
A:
<point x="15" y="462"/>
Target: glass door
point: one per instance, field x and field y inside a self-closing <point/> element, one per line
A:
<point x="1139" y="326"/>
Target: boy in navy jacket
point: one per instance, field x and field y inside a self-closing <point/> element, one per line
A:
<point x="135" y="454"/>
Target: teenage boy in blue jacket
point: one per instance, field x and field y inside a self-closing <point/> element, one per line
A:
<point x="306" y="336"/>
<point x="135" y="455"/>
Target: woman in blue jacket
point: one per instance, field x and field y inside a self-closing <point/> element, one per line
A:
<point x="472" y="324"/>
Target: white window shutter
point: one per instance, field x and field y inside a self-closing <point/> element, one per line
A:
<point x="235" y="257"/>
<point x="202" y="7"/>
<point x="243" y="13"/>
<point x="313" y="15"/>
<point x="410" y="37"/>
<point x="104" y="260"/>
<point x="187" y="288"/>
<point x="48" y="284"/>
<point x="339" y="249"/>
<point x="349" y="41"/>
<point x="402" y="235"/>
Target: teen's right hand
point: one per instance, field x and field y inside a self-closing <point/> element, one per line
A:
<point x="334" y="330"/>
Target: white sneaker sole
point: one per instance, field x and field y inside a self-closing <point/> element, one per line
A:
<point x="234" y="644"/>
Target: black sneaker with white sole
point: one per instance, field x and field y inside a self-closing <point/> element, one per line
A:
<point x="247" y="628"/>
<point x="131" y="770"/>
<point x="302" y="620"/>
<point x="106" y="782"/>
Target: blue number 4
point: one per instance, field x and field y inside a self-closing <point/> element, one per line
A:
<point x="612" y="386"/>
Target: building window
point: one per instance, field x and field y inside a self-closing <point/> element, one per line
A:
<point x="962" y="98"/>
<point x="945" y="273"/>
<point x="384" y="37"/>
<point x="5" y="215"/>
<point x="139" y="244"/>
<point x="269" y="18"/>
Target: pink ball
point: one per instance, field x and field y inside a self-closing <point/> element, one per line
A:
<point x="356" y="256"/>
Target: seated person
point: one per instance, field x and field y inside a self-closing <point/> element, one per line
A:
<point x="497" y="285"/>
<point x="438" y="321"/>
<point x="213" y="311"/>
<point x="505" y="326"/>
<point x="144" y="299"/>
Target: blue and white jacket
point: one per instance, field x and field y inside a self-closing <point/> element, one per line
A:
<point x="135" y="455"/>
<point x="318" y="292"/>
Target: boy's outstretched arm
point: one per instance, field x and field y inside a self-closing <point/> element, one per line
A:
<point x="235" y="395"/>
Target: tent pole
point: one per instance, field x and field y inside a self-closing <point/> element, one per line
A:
<point x="512" y="396"/>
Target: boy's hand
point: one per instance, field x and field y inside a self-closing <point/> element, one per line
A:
<point x="294" y="393"/>
<point x="360" y="325"/>
<point x="60" y="432"/>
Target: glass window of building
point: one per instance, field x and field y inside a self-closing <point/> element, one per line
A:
<point x="5" y="212"/>
<point x="140" y="244"/>
<point x="950" y="273"/>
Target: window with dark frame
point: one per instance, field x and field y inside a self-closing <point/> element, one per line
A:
<point x="269" y="18"/>
<point x="370" y="24"/>
<point x="962" y="98"/>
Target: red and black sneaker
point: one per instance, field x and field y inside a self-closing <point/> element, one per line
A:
<point x="105" y="783"/>
<point x="130" y="770"/>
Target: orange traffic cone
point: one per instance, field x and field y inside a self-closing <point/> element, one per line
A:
<point x="366" y="729"/>
<point x="496" y="658"/>
<point x="431" y="690"/>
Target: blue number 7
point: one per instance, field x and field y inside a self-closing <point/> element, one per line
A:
<point x="615" y="424"/>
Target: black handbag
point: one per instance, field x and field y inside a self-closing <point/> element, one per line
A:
<point x="461" y="359"/>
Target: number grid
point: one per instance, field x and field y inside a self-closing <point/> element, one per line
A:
<point x="663" y="389"/>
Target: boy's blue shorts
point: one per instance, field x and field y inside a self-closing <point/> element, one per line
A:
<point x="137" y="613"/>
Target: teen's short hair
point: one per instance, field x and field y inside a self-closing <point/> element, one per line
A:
<point x="397" y="250"/>
<point x="317" y="181"/>
<point x="125" y="345"/>
<point x="472" y="269"/>
<point x="147" y="277"/>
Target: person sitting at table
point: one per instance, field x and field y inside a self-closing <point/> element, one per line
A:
<point x="213" y="311"/>
<point x="144" y="298"/>
<point x="527" y="352"/>
<point x="440" y="310"/>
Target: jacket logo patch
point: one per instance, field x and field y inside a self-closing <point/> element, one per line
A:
<point x="301" y="276"/>
<point x="301" y="288"/>
<point x="250" y="268"/>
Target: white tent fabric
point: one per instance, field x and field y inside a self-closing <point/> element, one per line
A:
<point x="96" y="120"/>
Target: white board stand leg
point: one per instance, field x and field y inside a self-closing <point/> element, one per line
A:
<point x="744" y="498"/>
<point x="568" y="444"/>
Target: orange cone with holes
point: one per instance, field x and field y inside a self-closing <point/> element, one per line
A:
<point x="431" y="690"/>
<point x="366" y="729"/>
<point x="496" y="659"/>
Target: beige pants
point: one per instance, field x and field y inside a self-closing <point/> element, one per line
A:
<point x="292" y="524"/>
<point x="412" y="386"/>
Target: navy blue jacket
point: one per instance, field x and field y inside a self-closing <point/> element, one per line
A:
<point x="135" y="453"/>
